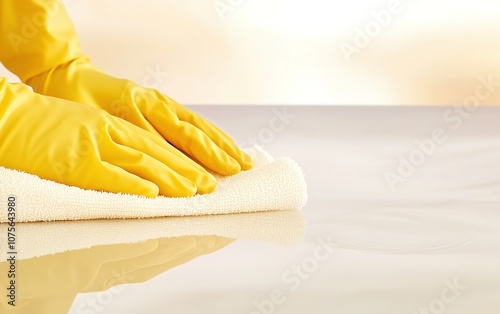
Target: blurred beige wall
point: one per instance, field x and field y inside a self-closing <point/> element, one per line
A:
<point x="297" y="51"/>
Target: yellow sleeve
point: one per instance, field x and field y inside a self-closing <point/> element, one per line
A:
<point x="36" y="36"/>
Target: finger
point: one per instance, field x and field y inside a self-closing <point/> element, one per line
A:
<point x="192" y="141"/>
<point x="146" y="167"/>
<point x="157" y="148"/>
<point x="219" y="137"/>
<point x="223" y="140"/>
<point x="117" y="180"/>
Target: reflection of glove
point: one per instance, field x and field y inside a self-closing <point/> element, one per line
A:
<point x="51" y="62"/>
<point x="49" y="284"/>
<point x="86" y="147"/>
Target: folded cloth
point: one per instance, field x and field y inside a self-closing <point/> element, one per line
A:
<point x="271" y="185"/>
<point x="44" y="238"/>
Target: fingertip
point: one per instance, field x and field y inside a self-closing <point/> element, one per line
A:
<point x="232" y="167"/>
<point x="183" y="188"/>
<point x="206" y="183"/>
<point x="246" y="161"/>
<point x="145" y="188"/>
<point x="150" y="193"/>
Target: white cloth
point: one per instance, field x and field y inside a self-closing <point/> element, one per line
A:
<point x="270" y="185"/>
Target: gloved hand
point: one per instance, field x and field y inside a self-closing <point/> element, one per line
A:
<point x="86" y="147"/>
<point x="51" y="61"/>
<point x="147" y="108"/>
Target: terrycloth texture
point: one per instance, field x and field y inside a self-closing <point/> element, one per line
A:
<point x="270" y="185"/>
<point x="42" y="238"/>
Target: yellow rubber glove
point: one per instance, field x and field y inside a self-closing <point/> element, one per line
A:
<point x="83" y="146"/>
<point x="51" y="61"/>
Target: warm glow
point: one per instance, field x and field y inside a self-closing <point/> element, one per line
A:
<point x="289" y="52"/>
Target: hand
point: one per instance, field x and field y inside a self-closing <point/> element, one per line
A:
<point x="83" y="146"/>
<point x="147" y="108"/>
<point x="51" y="61"/>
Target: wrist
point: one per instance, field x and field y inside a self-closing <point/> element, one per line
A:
<point x="78" y="80"/>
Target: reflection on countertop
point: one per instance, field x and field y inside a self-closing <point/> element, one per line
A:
<point x="58" y="260"/>
<point x="50" y="283"/>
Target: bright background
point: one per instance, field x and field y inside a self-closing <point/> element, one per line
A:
<point x="288" y="52"/>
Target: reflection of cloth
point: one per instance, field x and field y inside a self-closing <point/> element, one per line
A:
<point x="42" y="238"/>
<point x="49" y="284"/>
<point x="270" y="185"/>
